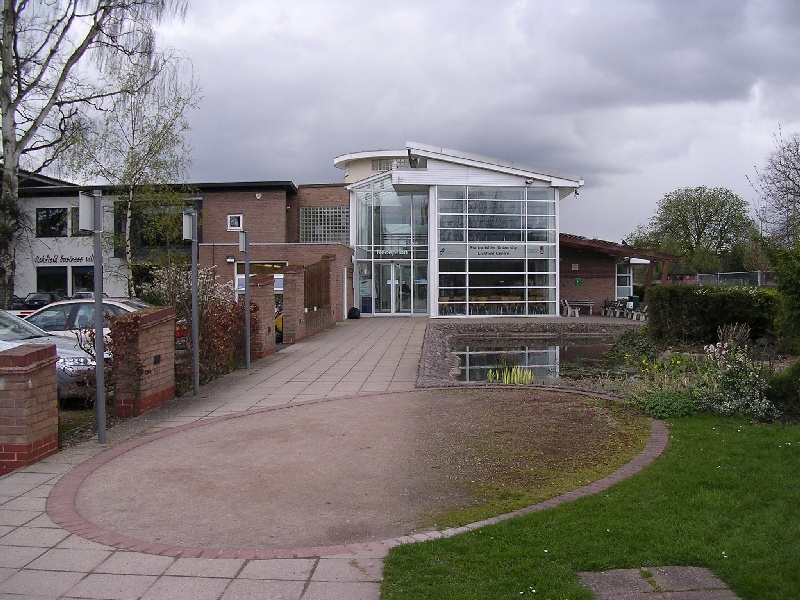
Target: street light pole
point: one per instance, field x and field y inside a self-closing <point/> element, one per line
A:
<point x="99" y="351"/>
<point x="190" y="233"/>
<point x="244" y="246"/>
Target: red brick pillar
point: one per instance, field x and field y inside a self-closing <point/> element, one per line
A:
<point x="144" y="360"/>
<point x="262" y="294"/>
<point x="294" y="303"/>
<point x="28" y="406"/>
<point x="335" y="289"/>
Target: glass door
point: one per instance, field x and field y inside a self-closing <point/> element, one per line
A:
<point x="393" y="288"/>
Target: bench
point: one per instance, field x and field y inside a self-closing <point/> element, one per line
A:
<point x="577" y="305"/>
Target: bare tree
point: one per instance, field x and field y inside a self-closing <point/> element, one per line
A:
<point x="139" y="146"/>
<point x="54" y="56"/>
<point x="778" y="187"/>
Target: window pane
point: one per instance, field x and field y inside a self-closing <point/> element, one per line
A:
<point x="491" y="235"/>
<point x="451" y="206"/>
<point x="541" y="208"/>
<point x="452" y="280"/>
<point x="451" y="191"/>
<point x="451" y="221"/>
<point x="494" y="222"/>
<point x="451" y="235"/>
<point x="542" y="236"/>
<point x="453" y="266"/>
<point x="496" y="266"/>
<point x="490" y="207"/>
<point x="496" y="279"/>
<point x="540" y="194"/>
<point x="496" y="193"/>
<point x="541" y="266"/>
<point x="51" y="222"/>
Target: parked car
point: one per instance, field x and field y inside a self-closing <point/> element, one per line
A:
<point x="83" y="295"/>
<point x="17" y="303"/>
<point x="36" y="300"/>
<point x="67" y="316"/>
<point x="74" y="368"/>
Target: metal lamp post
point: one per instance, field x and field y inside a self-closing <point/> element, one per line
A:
<point x="244" y="246"/>
<point x="90" y="218"/>
<point x="190" y="233"/>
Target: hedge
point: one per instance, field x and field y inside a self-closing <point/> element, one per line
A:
<point x="693" y="313"/>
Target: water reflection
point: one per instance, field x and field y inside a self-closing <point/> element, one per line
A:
<point x="542" y="357"/>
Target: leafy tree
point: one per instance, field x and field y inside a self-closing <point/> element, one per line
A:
<point x="787" y="266"/>
<point x="778" y="186"/>
<point x="139" y="147"/>
<point x="55" y="58"/>
<point x="704" y="225"/>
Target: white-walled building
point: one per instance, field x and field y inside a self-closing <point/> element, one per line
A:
<point x="445" y="233"/>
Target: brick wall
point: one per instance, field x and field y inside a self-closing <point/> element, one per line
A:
<point x="262" y="294"/>
<point x="28" y="406"/>
<point x="597" y="274"/>
<point x="331" y="194"/>
<point x="144" y="367"/>
<point x="293" y="254"/>
<point x="264" y="218"/>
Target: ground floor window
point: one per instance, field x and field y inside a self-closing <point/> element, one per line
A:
<point x="624" y="280"/>
<point x="52" y="279"/>
<point x="82" y="279"/>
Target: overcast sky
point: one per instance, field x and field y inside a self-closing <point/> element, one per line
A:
<point x="637" y="97"/>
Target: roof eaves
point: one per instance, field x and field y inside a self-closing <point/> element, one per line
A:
<point x="493" y="164"/>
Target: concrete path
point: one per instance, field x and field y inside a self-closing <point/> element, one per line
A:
<point x="48" y="550"/>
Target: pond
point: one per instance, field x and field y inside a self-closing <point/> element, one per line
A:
<point x="526" y="360"/>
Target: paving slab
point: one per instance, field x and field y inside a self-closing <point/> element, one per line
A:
<point x="355" y="362"/>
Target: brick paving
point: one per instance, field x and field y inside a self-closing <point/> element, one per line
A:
<point x="55" y="553"/>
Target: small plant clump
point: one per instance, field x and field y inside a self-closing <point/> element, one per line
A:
<point x="727" y="379"/>
<point x="510" y="375"/>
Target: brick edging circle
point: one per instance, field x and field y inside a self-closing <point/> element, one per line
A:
<point x="61" y="508"/>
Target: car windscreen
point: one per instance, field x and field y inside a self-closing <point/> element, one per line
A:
<point x="14" y="329"/>
<point x="52" y="318"/>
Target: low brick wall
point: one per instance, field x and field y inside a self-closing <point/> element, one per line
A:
<point x="28" y="406"/>
<point x="300" y="322"/>
<point x="144" y="360"/>
<point x="262" y="294"/>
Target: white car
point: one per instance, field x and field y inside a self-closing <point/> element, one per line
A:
<point x="74" y="368"/>
<point x="67" y="316"/>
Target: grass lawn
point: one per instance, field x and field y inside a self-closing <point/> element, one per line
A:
<point x="725" y="495"/>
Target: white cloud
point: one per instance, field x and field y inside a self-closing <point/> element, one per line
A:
<point x="639" y="97"/>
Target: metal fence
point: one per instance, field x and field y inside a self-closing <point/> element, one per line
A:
<point x="752" y="278"/>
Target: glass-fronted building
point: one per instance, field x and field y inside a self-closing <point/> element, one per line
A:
<point x="443" y="233"/>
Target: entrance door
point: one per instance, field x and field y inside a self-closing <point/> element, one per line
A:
<point x="392" y="287"/>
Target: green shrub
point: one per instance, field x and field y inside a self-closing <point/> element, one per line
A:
<point x="784" y="389"/>
<point x="787" y="267"/>
<point x="694" y="313"/>
<point x="633" y="344"/>
<point x="667" y="405"/>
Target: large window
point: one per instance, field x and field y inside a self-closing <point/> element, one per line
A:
<point x="51" y="222"/>
<point x="497" y="251"/>
<point x="325" y="225"/>
<point x="392" y="249"/>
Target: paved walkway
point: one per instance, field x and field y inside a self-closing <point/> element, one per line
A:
<point x="61" y="557"/>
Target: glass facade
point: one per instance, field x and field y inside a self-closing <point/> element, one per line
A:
<point x="391" y="249"/>
<point x="494" y="250"/>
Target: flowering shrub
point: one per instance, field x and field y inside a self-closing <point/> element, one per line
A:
<point x="731" y="382"/>
<point x="221" y="320"/>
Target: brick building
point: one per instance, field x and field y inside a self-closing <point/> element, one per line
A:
<point x="427" y="231"/>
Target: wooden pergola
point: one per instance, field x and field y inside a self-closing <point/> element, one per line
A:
<point x="614" y="249"/>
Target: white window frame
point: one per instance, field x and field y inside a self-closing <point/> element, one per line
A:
<point x="232" y="222"/>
